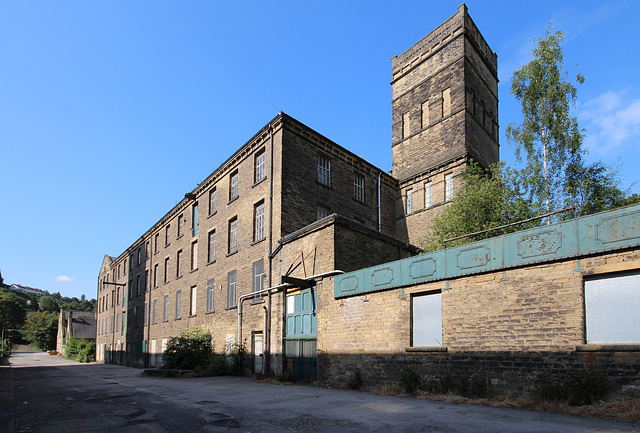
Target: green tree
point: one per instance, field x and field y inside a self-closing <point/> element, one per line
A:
<point x="193" y="348"/>
<point x="594" y="188"/>
<point x="48" y="303"/>
<point x="548" y="134"/>
<point x="41" y="330"/>
<point x="556" y="174"/>
<point x="489" y="199"/>
<point x="12" y="313"/>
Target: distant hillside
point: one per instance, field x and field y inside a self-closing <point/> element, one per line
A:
<point x="33" y="299"/>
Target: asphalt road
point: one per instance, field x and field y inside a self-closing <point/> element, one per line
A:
<point x="46" y="393"/>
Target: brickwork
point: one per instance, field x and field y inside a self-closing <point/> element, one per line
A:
<point x="290" y="194"/>
<point x="510" y="323"/>
<point x="444" y="112"/>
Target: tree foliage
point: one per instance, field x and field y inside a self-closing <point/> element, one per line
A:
<point x="12" y="313"/>
<point x="41" y="330"/>
<point x="192" y="348"/>
<point x="80" y="349"/>
<point x="489" y="199"/>
<point x="548" y="135"/>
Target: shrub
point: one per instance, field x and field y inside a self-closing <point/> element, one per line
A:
<point x="80" y="349"/>
<point x="576" y="387"/>
<point x="235" y="359"/>
<point x="191" y="349"/>
<point x="356" y="381"/>
<point x="410" y="379"/>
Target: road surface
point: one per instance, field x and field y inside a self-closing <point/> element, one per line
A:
<point x="46" y="393"/>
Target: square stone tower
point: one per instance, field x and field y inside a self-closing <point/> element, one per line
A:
<point x="445" y="111"/>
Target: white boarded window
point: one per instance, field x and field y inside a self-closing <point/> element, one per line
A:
<point x="427" y="320"/>
<point x="428" y="195"/>
<point x="192" y="307"/>
<point x="611" y="307"/>
<point x="448" y="187"/>
<point x="409" y="201"/>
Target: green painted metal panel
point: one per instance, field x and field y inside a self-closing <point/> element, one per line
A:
<point x="606" y="231"/>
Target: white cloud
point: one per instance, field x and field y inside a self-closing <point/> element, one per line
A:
<point x="612" y="121"/>
<point x="64" y="279"/>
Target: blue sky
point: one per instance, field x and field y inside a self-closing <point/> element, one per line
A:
<point x="111" y="111"/>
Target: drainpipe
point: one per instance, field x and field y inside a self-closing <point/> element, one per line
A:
<point x="278" y="287"/>
<point x="379" y="204"/>
<point x="266" y="349"/>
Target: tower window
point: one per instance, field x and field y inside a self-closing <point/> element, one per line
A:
<point x="448" y="187"/>
<point x="406" y="125"/>
<point x="424" y="114"/>
<point x="409" y="201"/>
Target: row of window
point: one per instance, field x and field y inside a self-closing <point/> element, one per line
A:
<point x="324" y="178"/>
<point x="428" y="193"/>
<point x="257" y="286"/>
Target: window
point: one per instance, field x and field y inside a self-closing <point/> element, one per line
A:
<point x="178" y="264"/>
<point x="611" y="309"/>
<point x="428" y="196"/>
<point x="167" y="235"/>
<point x="131" y="290"/>
<point x="406" y="125"/>
<point x="448" y="187"/>
<point x="146" y="280"/>
<point x="233" y="186"/>
<point x="156" y="242"/>
<point x="118" y="271"/>
<point x="258" y="277"/>
<point x="117" y="322"/>
<point x="409" y="201"/>
<point x="166" y="270"/>
<point x="233" y="235"/>
<point x="427" y="320"/>
<point x="146" y="250"/>
<point x="138" y="284"/>
<point x="124" y="268"/>
<point x="139" y="254"/>
<point x="358" y="187"/>
<point x="165" y="308"/>
<point x="146" y="314"/>
<point x="192" y="305"/>
<point x="258" y="219"/>
<point x="194" y="255"/>
<point x="231" y="289"/>
<point x="446" y="102"/>
<point x="211" y="252"/>
<point x="212" y="201"/>
<point x="155" y="275"/>
<point x="323" y="212"/>
<point x="260" y="165"/>
<point x="324" y="170"/>
<point x="178" y="304"/>
<point x="180" y="225"/>
<point x="194" y="219"/>
<point x="424" y="114"/>
<point x="154" y="311"/>
<point x="211" y="289"/>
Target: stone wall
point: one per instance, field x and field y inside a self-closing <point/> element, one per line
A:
<point x="508" y="323"/>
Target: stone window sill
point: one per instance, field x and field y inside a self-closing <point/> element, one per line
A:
<point x="426" y="349"/>
<point x="608" y="348"/>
